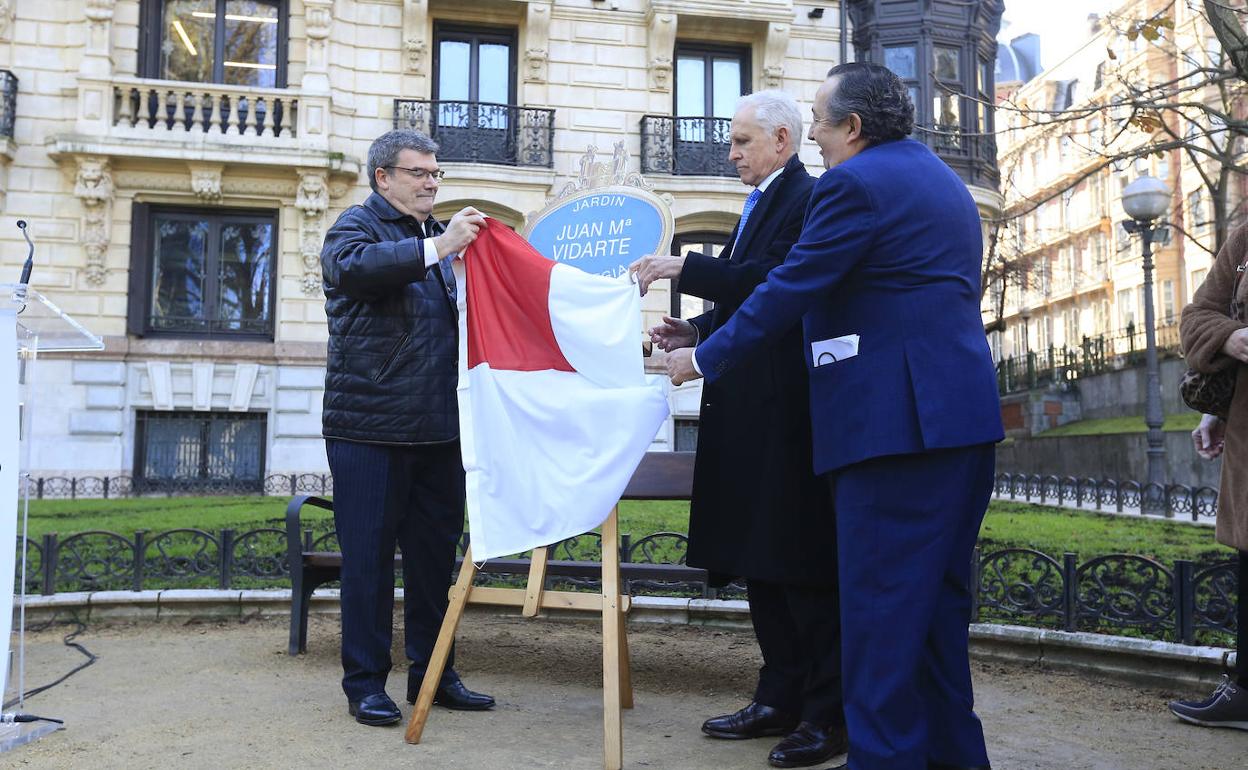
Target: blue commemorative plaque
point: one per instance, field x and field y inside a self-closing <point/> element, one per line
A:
<point x="602" y="228"/>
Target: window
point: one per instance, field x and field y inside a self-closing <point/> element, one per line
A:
<point x="202" y="273"/>
<point x="1198" y="278"/>
<point x="686" y="435"/>
<point x="236" y="42"/>
<point x="709" y="82"/>
<point x="474" y="65"/>
<point x="947" y="102"/>
<point x="190" y="450"/>
<point x="1126" y="308"/>
<point x="903" y="60"/>
<point x="1196" y="210"/>
<point x="1167" y="303"/>
<point x="986" y="98"/>
<point x="710" y="244"/>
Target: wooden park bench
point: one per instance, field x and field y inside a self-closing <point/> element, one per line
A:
<point x="660" y="476"/>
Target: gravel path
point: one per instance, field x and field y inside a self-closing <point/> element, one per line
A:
<point x="225" y="695"/>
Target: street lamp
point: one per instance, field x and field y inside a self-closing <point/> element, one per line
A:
<point x="1145" y="200"/>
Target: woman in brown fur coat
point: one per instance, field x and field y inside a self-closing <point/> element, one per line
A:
<point x="1214" y="340"/>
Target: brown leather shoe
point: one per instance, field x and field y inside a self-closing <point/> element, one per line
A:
<point x="809" y="745"/>
<point x="753" y="721"/>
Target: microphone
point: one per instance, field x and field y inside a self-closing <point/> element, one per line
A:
<point x="30" y="257"/>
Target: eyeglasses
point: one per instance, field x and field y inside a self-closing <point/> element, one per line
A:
<point x="422" y="173"/>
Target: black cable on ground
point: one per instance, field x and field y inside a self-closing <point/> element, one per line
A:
<point x="68" y="641"/>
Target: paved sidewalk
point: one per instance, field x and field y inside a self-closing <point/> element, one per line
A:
<point x="225" y="695"/>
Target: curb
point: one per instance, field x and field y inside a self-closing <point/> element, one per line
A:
<point x="1165" y="665"/>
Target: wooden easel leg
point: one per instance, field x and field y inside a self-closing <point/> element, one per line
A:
<point x="441" y="649"/>
<point x="613" y="741"/>
<point x="537" y="582"/>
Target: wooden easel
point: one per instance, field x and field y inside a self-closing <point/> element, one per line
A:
<point x="617" y="688"/>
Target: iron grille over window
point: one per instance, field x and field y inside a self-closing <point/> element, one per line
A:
<point x="478" y="132"/>
<point x="8" y="105"/>
<point x="202" y="273"/>
<point x="236" y="42"/>
<point x="196" y="451"/>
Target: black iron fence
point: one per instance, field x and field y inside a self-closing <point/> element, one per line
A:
<point x="686" y="146"/>
<point x="1113" y="351"/>
<point x="481" y="132"/>
<point x="1186" y="602"/>
<point x="74" y="487"/>
<point x="1109" y="494"/>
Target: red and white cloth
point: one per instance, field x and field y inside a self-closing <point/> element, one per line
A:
<point x="555" y="411"/>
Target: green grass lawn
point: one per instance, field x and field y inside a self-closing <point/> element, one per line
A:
<point x="1008" y="524"/>
<point x="1184" y="421"/>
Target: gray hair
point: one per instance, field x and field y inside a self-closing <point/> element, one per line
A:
<point x="385" y="149"/>
<point x="877" y="96"/>
<point x="773" y="109"/>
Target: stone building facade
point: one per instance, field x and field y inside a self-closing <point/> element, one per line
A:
<point x="180" y="160"/>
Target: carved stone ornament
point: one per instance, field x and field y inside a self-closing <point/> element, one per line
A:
<point x="93" y="186"/>
<point x="318" y="18"/>
<point x="100" y="10"/>
<point x="312" y="199"/>
<point x="6" y="18"/>
<point x="773" y="55"/>
<point x="415" y="21"/>
<point x="595" y="173"/>
<point x="662" y="47"/>
<point x="206" y="182"/>
<point x="537" y="42"/>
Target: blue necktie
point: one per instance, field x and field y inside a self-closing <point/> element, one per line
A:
<point x="750" y="202"/>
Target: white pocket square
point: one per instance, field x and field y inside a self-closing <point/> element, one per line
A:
<point x="832" y="350"/>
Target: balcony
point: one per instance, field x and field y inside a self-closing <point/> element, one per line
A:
<point x="685" y="146"/>
<point x="145" y="118"/>
<point x="480" y="132"/>
<point x="972" y="156"/>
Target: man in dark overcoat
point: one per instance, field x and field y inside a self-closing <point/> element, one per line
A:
<point x="758" y="510"/>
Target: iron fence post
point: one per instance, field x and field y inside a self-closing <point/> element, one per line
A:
<point x="626" y="547"/>
<point x="39" y="488"/>
<point x="307" y="540"/>
<point x="1185" y="601"/>
<point x="1118" y="496"/>
<point x="1070" y="592"/>
<point x="49" y="564"/>
<point x="293" y="484"/>
<point x="227" y="557"/>
<point x="140" y="550"/>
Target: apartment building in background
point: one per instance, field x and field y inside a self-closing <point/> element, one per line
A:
<point x="1078" y="290"/>
<point x="180" y="160"/>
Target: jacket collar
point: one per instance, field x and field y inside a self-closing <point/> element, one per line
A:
<point x="384" y="211"/>
<point x="742" y="241"/>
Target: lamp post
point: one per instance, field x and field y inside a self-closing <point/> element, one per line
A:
<point x="1145" y="200"/>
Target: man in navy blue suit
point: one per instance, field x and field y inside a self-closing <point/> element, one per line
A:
<point x="904" y="412"/>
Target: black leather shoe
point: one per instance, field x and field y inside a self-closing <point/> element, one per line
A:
<point x="456" y="696"/>
<point x="753" y="721"/>
<point x="809" y="745"/>
<point x="374" y="710"/>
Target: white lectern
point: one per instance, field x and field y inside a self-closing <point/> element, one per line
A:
<point x="29" y="323"/>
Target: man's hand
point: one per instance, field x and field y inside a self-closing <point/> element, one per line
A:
<point x="1209" y="437"/>
<point x="651" y="268"/>
<point x="680" y="366"/>
<point x="673" y="333"/>
<point x="1236" y="345"/>
<point x="460" y="232"/>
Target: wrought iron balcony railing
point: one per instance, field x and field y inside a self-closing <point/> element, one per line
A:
<point x="685" y="146"/>
<point x="973" y="156"/>
<point x="8" y="103"/>
<point x="481" y="132"/>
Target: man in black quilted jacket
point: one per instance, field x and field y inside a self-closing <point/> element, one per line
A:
<point x="391" y="422"/>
